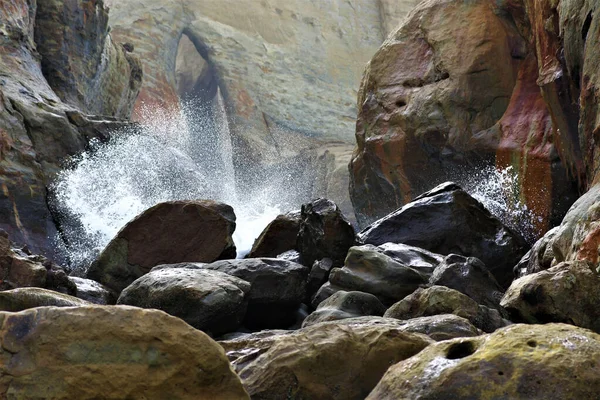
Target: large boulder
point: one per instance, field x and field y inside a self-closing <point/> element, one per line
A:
<point x="168" y="233"/>
<point x="468" y="275"/>
<point x="368" y="270"/>
<point x="565" y="293"/>
<point x="329" y="361"/>
<point x="324" y="233"/>
<point x="112" y="352"/>
<point x="278" y="288"/>
<point x="435" y="105"/>
<point x="23" y="298"/>
<point x="342" y="305"/>
<point x="211" y="301"/>
<point x="448" y="220"/>
<point x="552" y="362"/>
<point x="278" y="237"/>
<point x="438" y="300"/>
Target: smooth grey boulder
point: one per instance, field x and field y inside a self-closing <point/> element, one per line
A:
<point x="342" y="305"/>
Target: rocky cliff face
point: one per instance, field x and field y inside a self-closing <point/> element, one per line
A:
<point x="288" y="70"/>
<point x="442" y="98"/>
<point x="45" y="99"/>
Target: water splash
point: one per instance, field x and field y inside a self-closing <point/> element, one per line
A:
<point x="498" y="190"/>
<point x="181" y="156"/>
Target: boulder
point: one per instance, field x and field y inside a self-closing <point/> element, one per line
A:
<point x="324" y="292"/>
<point x="565" y="293"/>
<point x="211" y="301"/>
<point x="552" y="362"/>
<point x="438" y="300"/>
<point x="290" y="255"/>
<point x="368" y="270"/>
<point x="24" y="298"/>
<point x="278" y="237"/>
<point x="92" y="291"/>
<point x="539" y="258"/>
<point x="448" y="220"/>
<point x="324" y="233"/>
<point x="278" y="288"/>
<point x="168" y="233"/>
<point x="328" y="361"/>
<point x="468" y="276"/>
<point x="318" y="276"/>
<point x="342" y="305"/>
<point x="112" y="352"/>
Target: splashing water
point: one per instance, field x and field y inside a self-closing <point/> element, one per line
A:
<point x="171" y="157"/>
<point x="498" y="191"/>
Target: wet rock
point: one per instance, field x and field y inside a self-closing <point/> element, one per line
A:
<point x="342" y="305"/>
<point x="81" y="352"/>
<point x="539" y="258"/>
<point x="278" y="288"/>
<point x="278" y="237"/>
<point x="448" y="220"/>
<point x="23" y="298"/>
<point x="324" y="292"/>
<point x="319" y="274"/>
<point x="290" y="255"/>
<point x="438" y="300"/>
<point x="566" y="293"/>
<point x="469" y="276"/>
<point x="553" y="361"/>
<point x="92" y="291"/>
<point x="368" y="270"/>
<point x="324" y="233"/>
<point x="211" y="301"/>
<point x="328" y="361"/>
<point x="168" y="233"/>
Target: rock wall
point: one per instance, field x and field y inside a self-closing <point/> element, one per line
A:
<point x="38" y="130"/>
<point x="441" y="98"/>
<point x="288" y="70"/>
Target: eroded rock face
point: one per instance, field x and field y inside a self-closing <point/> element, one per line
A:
<point x="448" y="220"/>
<point x="211" y="301"/>
<point x="80" y="352"/>
<point x="565" y="293"/>
<point x="517" y="362"/>
<point x="168" y="233"/>
<point x="433" y="109"/>
<point x="328" y="361"/>
<point x="37" y="130"/>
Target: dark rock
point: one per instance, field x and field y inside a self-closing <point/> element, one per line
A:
<point x="342" y="305"/>
<point x="324" y="233"/>
<point x="319" y="274"/>
<point x="278" y="237"/>
<point x="438" y="300"/>
<point x="448" y="220"/>
<point x="324" y="292"/>
<point x="16" y="300"/>
<point x="92" y="291"/>
<point x="368" y="270"/>
<point x="566" y="293"/>
<point x="211" y="301"/>
<point x="278" y="288"/>
<point x="468" y="276"/>
<point x="168" y="233"/>
<point x="518" y="362"/>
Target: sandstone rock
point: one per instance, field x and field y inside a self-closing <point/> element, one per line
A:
<point x="328" y="361"/>
<point x="439" y="327"/>
<point x="211" y="301"/>
<point x="468" y="276"/>
<point x="167" y="233"/>
<point x="436" y="105"/>
<point x="92" y="291"/>
<point x="115" y="352"/>
<point x="438" y="300"/>
<point x="277" y="289"/>
<point x="278" y="237"/>
<point x="448" y="220"/>
<point x="318" y="276"/>
<point x="368" y="270"/>
<point x="566" y="293"/>
<point x="23" y="298"/>
<point x="342" y="305"/>
<point x="551" y="361"/>
<point x="324" y="233"/>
